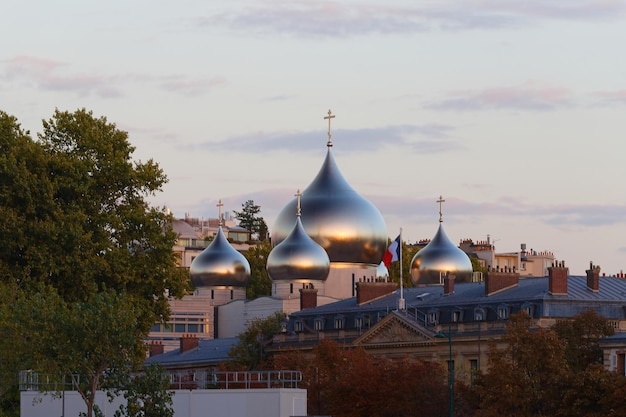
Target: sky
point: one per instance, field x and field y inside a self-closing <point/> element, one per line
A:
<point x="513" y="110"/>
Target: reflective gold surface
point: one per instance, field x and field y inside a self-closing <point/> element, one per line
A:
<point x="220" y="265"/>
<point x="439" y="257"/>
<point x="346" y="225"/>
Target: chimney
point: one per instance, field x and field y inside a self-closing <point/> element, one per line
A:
<point x="368" y="291"/>
<point x="593" y="277"/>
<point x="188" y="342"/>
<point x="156" y="348"/>
<point x="557" y="278"/>
<point x="308" y="298"/>
<point x="500" y="279"/>
<point x="448" y="284"/>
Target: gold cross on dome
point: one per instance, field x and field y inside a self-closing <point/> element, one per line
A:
<point x="329" y="117"/>
<point x="220" y="205"/>
<point x="440" y="201"/>
<point x="298" y="194"/>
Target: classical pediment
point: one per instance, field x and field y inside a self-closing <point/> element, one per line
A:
<point x="396" y="330"/>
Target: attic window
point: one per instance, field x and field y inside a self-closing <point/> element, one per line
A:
<point x="528" y="309"/>
<point x="298" y="326"/>
<point x="319" y="323"/>
<point x="456" y="316"/>
<point x="479" y="314"/>
<point x="503" y="312"/>
<point x="432" y="317"/>
<point x="358" y="322"/>
<point x="339" y="320"/>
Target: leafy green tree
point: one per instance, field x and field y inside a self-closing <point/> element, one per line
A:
<point x="250" y="351"/>
<point x="76" y="228"/>
<point x="87" y="342"/>
<point x="260" y="283"/>
<point x="148" y="395"/>
<point x="249" y="220"/>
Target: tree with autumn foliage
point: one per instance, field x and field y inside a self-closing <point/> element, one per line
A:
<point x="349" y="382"/>
<point x="547" y="372"/>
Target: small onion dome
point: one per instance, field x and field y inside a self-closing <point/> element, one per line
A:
<point x="439" y="257"/>
<point x="382" y="273"/>
<point x="220" y="265"/>
<point x="298" y="257"/>
<point x="183" y="229"/>
<point x="346" y="225"/>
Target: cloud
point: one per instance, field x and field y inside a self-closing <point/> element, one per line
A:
<point x="56" y="76"/>
<point x="531" y="96"/>
<point x="608" y="98"/>
<point x="189" y="87"/>
<point x="321" y="19"/>
<point x="433" y="139"/>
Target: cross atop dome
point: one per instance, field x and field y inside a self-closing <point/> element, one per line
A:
<point x="330" y="138"/>
<point x="440" y="201"/>
<point x="298" y="195"/>
<point x="219" y="219"/>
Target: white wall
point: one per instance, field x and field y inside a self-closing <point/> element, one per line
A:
<point x="281" y="402"/>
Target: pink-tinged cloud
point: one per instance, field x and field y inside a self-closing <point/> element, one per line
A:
<point x="22" y="65"/>
<point x="50" y="75"/>
<point x="312" y="18"/>
<point x="529" y="96"/>
<point x="608" y="98"/>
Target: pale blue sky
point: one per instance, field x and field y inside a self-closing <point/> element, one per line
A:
<point x="514" y="111"/>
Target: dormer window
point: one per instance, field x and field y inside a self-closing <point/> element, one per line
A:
<point x="479" y="314"/>
<point x="298" y="326"/>
<point x="319" y="323"/>
<point x="432" y="317"/>
<point x="503" y="312"/>
<point x="456" y="316"/>
<point x="339" y="320"/>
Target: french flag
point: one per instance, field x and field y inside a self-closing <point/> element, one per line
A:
<point x="393" y="252"/>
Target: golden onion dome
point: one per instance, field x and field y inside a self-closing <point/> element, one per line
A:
<point x="340" y="220"/>
<point x="298" y="257"/>
<point x="220" y="265"/>
<point x="438" y="257"/>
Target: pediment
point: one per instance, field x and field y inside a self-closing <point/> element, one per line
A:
<point x="395" y="330"/>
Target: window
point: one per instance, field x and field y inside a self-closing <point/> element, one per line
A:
<point x="291" y="288"/>
<point x="479" y="314"/>
<point x="473" y="364"/>
<point x="432" y="317"/>
<point x="232" y="294"/>
<point x="156" y="327"/>
<point x="456" y="316"/>
<point x="297" y="326"/>
<point x="528" y="309"/>
<point x="503" y="312"/>
<point x="212" y="294"/>
<point x="193" y="328"/>
<point x="338" y="322"/>
<point x="358" y="322"/>
<point x="179" y="328"/>
<point x="319" y="324"/>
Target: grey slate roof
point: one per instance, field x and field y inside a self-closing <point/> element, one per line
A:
<point x="210" y="351"/>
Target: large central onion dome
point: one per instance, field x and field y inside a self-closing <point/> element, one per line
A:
<point x="298" y="257"/>
<point x="439" y="257"/>
<point x="346" y="225"/>
<point x="220" y="265"/>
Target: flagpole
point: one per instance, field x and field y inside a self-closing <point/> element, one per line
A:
<point x="401" y="305"/>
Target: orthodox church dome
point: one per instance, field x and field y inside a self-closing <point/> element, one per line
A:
<point x="438" y="257"/>
<point x="340" y="220"/>
<point x="298" y="256"/>
<point x="220" y="265"/>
